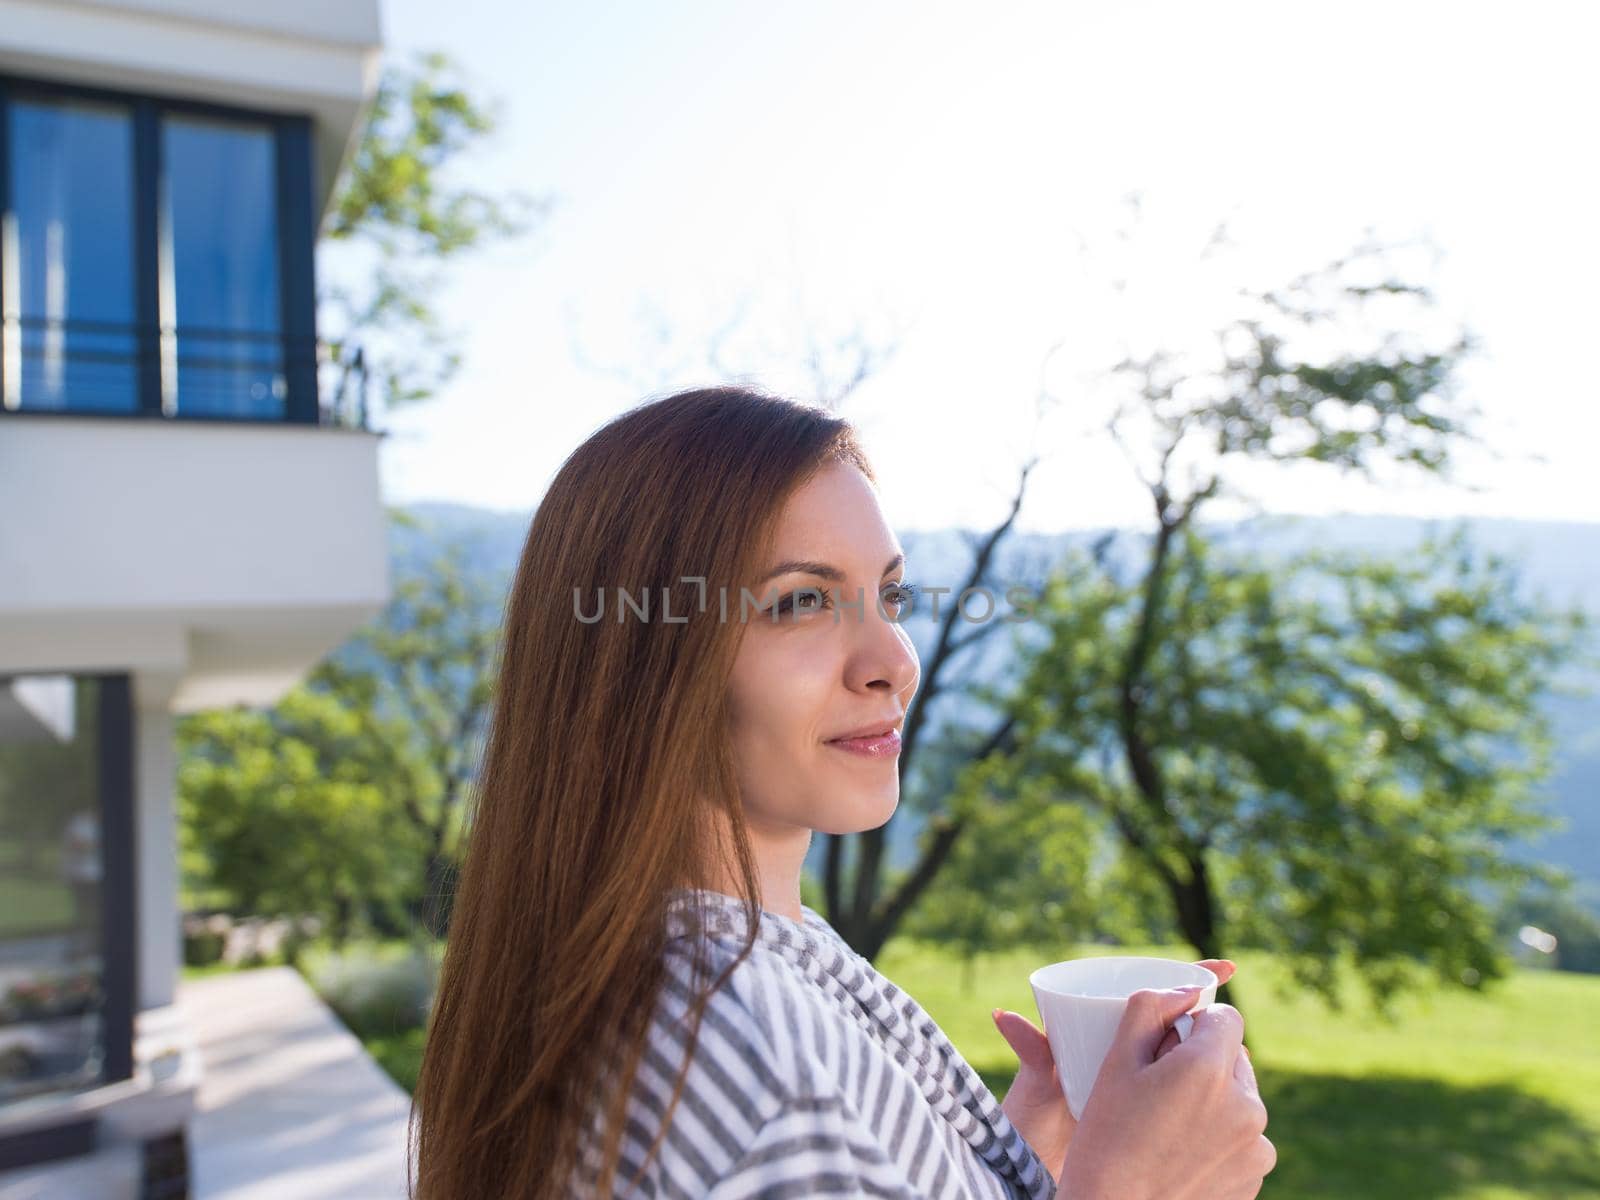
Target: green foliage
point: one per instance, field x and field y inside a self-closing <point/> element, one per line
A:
<point x="1023" y="873"/>
<point x="1325" y="756"/>
<point x="399" y="1054"/>
<point x="287" y="812"/>
<point x="383" y="992"/>
<point x="203" y="947"/>
<point x="1340" y="365"/>
<point x="1131" y="711"/>
<point x="421" y="680"/>
<point x="399" y="213"/>
<point x="422" y="118"/>
<point x="377" y="990"/>
<point x="1342" y="745"/>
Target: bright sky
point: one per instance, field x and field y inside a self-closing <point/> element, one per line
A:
<point x="927" y="174"/>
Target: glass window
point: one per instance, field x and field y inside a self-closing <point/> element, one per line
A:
<point x="71" y="167"/>
<point x="222" y="215"/>
<point x="51" y="867"/>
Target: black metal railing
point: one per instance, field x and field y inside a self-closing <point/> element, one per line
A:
<point x="348" y="403"/>
<point x="97" y="367"/>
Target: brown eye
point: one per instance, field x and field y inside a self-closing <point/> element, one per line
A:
<point x="792" y="601"/>
<point x="900" y="594"/>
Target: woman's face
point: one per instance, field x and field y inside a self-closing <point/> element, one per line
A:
<point x="828" y="666"/>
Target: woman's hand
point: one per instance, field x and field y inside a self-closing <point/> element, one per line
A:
<point x="1035" y="1103"/>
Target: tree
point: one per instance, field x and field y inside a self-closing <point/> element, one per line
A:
<point x="1317" y="371"/>
<point x="286" y="812"/>
<point x="397" y="217"/>
<point x="421" y="680"/>
<point x="1329" y="750"/>
<point x="1327" y="753"/>
<point x="1017" y="878"/>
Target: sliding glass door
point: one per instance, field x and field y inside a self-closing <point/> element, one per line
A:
<point x="66" y="860"/>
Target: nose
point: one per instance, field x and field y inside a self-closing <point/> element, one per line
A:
<point x="883" y="658"/>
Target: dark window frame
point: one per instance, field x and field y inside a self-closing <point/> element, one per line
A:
<point x="296" y="242"/>
<point x="119" y="858"/>
<point x="119" y="917"/>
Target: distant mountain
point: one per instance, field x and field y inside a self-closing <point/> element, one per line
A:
<point x="1558" y="562"/>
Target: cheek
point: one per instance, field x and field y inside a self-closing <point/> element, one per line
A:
<point x="779" y="699"/>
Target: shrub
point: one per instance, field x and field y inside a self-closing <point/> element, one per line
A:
<point x="376" y="993"/>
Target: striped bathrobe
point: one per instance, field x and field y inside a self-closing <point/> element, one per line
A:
<point x="813" y="1076"/>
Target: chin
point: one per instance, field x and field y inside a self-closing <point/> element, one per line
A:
<point x="867" y="810"/>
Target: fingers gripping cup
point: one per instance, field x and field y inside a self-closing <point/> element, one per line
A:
<point x="1081" y="1002"/>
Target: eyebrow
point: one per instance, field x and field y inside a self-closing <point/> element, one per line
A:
<point x="806" y="566"/>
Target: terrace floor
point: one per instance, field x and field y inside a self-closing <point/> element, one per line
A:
<point x="289" y="1104"/>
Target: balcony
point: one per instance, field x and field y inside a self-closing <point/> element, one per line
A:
<point x="91" y="368"/>
<point x="180" y="506"/>
<point x="226" y="557"/>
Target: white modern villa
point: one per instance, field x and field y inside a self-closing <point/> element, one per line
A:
<point x="184" y="521"/>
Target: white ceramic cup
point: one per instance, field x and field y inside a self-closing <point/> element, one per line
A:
<point x="1081" y="1002"/>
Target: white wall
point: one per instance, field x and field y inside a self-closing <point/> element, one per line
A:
<point x="155" y="782"/>
<point x="352" y="22"/>
<point x="232" y="557"/>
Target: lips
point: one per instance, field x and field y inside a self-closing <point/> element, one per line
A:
<point x="880" y="742"/>
<point x="881" y="729"/>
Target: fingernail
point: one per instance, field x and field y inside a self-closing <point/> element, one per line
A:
<point x="994" y="1015"/>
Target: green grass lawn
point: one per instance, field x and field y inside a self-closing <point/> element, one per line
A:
<point x="400" y="1054"/>
<point x="1485" y="1096"/>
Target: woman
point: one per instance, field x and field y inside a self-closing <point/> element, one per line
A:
<point x="702" y="666"/>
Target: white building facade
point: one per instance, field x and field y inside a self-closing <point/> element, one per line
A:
<point x="184" y="521"/>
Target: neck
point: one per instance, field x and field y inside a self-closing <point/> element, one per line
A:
<point x="780" y="855"/>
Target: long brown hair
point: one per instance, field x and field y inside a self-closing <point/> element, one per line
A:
<point x="607" y="745"/>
